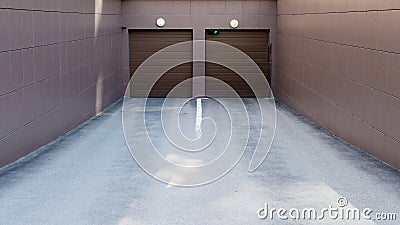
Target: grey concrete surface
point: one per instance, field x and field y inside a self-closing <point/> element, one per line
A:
<point x="89" y="177"/>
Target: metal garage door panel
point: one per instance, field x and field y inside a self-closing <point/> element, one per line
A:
<point x="143" y="44"/>
<point x="254" y="44"/>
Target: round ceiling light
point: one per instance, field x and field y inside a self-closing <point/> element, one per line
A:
<point x="234" y="23"/>
<point x="160" y="22"/>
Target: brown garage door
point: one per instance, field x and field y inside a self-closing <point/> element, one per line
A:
<point x="253" y="43"/>
<point x="144" y="43"/>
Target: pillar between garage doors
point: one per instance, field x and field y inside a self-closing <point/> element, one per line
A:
<point x="199" y="66"/>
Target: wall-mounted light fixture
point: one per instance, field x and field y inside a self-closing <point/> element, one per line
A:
<point x="160" y="22"/>
<point x="234" y="23"/>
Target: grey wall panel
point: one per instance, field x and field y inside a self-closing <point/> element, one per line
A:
<point x="338" y="64"/>
<point x="59" y="65"/>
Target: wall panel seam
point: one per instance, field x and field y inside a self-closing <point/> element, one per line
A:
<point x="60" y="104"/>
<point x="48" y="78"/>
<point x="338" y="106"/>
<point x="63" y="42"/>
<point x="337" y="43"/>
<point x="337" y="12"/>
<point x="57" y="11"/>
<point x="343" y="76"/>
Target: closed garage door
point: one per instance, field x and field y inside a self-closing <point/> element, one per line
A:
<point x="144" y="43"/>
<point x="254" y="44"/>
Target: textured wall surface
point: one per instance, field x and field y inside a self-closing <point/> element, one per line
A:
<point x="339" y="65"/>
<point x="197" y="15"/>
<point x="59" y="65"/>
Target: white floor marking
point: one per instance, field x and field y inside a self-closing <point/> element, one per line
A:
<point x="199" y="117"/>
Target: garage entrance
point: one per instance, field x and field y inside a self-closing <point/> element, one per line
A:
<point x="254" y="43"/>
<point x="144" y="43"/>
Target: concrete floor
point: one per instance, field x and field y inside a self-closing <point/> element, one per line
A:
<point x="89" y="177"/>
